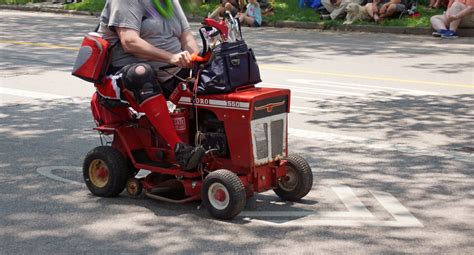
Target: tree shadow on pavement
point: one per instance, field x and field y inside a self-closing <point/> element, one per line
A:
<point x="45" y="215"/>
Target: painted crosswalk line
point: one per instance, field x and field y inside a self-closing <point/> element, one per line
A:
<point x="355" y="215"/>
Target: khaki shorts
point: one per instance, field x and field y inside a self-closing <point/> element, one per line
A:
<point x="399" y="7"/>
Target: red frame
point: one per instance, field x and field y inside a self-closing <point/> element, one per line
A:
<point x="236" y="115"/>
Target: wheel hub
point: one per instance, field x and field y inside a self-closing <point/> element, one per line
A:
<point x="218" y="196"/>
<point x="98" y="173"/>
<point x="132" y="187"/>
<point x="290" y="181"/>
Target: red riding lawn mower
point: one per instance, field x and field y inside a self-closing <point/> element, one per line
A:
<point x="244" y="133"/>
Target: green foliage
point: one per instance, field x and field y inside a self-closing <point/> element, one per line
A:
<point x="289" y="10"/>
<point x="202" y="10"/>
<point x="87" y="5"/>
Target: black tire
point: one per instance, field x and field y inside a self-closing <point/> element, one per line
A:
<point x="299" y="180"/>
<point x="235" y="198"/>
<point x="111" y="181"/>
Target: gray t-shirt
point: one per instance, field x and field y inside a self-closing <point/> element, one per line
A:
<point x="141" y="16"/>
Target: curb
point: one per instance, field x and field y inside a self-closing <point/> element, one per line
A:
<point x="365" y="28"/>
<point x="287" y="24"/>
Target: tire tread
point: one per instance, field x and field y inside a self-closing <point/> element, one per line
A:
<point x="236" y="191"/>
<point x="305" y="183"/>
<point x="117" y="166"/>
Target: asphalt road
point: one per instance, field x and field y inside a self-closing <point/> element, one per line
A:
<point x="385" y="121"/>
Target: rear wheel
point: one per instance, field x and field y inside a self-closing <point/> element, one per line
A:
<point x="298" y="181"/>
<point x="223" y="194"/>
<point x="105" y="171"/>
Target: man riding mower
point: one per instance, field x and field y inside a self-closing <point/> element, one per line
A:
<point x="238" y="131"/>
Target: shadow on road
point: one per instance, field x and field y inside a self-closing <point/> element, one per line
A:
<point x="61" y="217"/>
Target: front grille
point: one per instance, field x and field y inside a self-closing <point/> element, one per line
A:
<point x="269" y="138"/>
<point x="277" y="140"/>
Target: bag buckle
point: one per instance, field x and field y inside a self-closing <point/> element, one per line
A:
<point x="235" y="60"/>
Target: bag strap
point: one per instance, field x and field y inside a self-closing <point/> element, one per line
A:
<point x="196" y="82"/>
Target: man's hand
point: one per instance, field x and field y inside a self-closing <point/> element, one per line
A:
<point x="182" y="59"/>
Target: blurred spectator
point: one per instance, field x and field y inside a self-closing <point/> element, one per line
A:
<point x="380" y="9"/>
<point x="336" y="8"/>
<point x="459" y="14"/>
<point x="265" y="6"/>
<point x="234" y="6"/>
<point x="253" y="16"/>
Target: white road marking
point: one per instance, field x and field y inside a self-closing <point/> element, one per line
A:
<point x="317" y="99"/>
<point x="355" y="208"/>
<point x="357" y="214"/>
<point x="30" y="94"/>
<point x="306" y="109"/>
<point x="325" y="136"/>
<point x="47" y="171"/>
<point x="313" y="91"/>
<point x="359" y="86"/>
<point x="352" y="202"/>
<point x="401" y="215"/>
<point x="298" y="111"/>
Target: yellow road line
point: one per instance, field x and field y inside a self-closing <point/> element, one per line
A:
<point x="294" y="70"/>
<point x="44" y="45"/>
<point x="276" y="68"/>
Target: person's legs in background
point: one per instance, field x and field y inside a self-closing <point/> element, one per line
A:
<point x="340" y="11"/>
<point x="439" y="24"/>
<point x="329" y="6"/>
<point x="246" y="20"/>
<point x="216" y="13"/>
<point x="456" y="8"/>
<point x="392" y="9"/>
<point x="372" y="11"/>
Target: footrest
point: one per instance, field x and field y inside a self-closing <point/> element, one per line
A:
<point x="141" y="157"/>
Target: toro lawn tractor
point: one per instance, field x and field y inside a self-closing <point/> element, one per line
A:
<point x="244" y="132"/>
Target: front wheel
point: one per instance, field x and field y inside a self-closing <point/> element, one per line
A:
<point x="298" y="180"/>
<point x="223" y="194"/>
<point x="105" y="171"/>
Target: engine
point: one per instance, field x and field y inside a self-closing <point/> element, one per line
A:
<point x="212" y="135"/>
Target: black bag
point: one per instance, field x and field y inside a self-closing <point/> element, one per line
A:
<point x="231" y="66"/>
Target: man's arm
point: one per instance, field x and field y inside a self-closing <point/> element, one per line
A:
<point x="188" y="43"/>
<point x="461" y="14"/>
<point x="133" y="44"/>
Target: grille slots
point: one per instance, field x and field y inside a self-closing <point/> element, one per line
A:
<point x="269" y="138"/>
